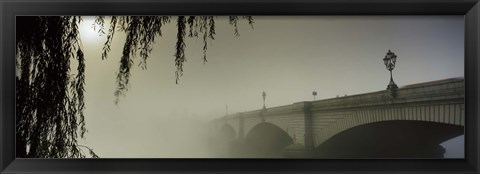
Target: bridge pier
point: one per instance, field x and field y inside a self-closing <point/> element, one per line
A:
<point x="308" y="139"/>
<point x="241" y="134"/>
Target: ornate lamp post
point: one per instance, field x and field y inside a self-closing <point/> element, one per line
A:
<point x="314" y="93"/>
<point x="226" y="110"/>
<point x="264" y="95"/>
<point x="390" y="60"/>
<point x="226" y="113"/>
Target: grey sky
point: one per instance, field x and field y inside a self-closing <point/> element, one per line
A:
<point x="287" y="57"/>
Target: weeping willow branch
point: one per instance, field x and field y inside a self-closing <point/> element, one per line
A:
<point x="50" y="99"/>
<point x="141" y="33"/>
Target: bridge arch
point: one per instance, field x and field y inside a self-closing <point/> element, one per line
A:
<point x="390" y="139"/>
<point x="329" y="124"/>
<point x="266" y="140"/>
<point x="227" y="132"/>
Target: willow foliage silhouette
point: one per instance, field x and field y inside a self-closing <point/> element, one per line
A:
<point x="50" y="96"/>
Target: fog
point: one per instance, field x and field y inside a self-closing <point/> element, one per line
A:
<point x="287" y="57"/>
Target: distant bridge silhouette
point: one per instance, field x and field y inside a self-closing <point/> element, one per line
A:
<point x="408" y="122"/>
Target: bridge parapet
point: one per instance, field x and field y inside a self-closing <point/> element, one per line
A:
<point x="449" y="89"/>
<point x="286" y="109"/>
<point x="432" y="91"/>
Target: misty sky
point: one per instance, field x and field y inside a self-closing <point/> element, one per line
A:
<point x="287" y="57"/>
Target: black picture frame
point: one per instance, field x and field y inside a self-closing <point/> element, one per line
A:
<point x="10" y="8"/>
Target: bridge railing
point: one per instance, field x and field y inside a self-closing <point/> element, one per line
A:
<point x="439" y="90"/>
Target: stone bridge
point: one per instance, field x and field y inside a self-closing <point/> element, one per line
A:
<point x="409" y="122"/>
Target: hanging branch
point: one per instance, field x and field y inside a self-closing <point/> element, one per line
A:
<point x="111" y="32"/>
<point x="233" y="21"/>
<point x="180" y="48"/>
